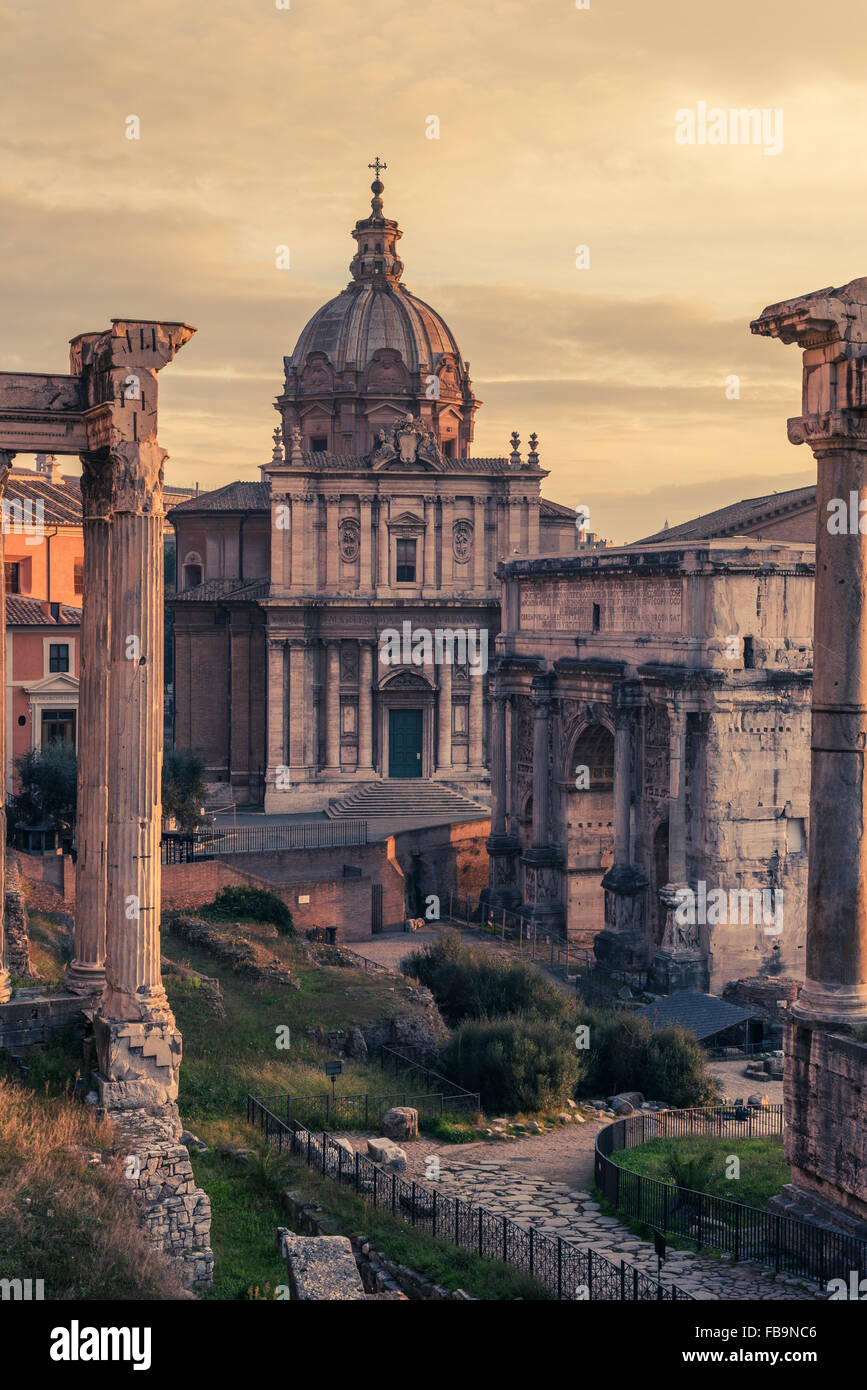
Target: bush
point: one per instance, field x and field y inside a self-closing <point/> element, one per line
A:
<point x="514" y="1064"/>
<point x="470" y="984"/>
<point x="183" y="788"/>
<point x="627" y="1054"/>
<point x="252" y="904"/>
<point x="48" y="786"/>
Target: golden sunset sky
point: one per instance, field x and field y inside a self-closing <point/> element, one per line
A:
<point x="557" y="129"/>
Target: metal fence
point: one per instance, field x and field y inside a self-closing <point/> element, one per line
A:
<point x="517" y="933"/>
<point x="565" y="1270"/>
<point x="715" y="1223"/>
<point x="261" y="839"/>
<point x="399" y="1063"/>
<point x="364" y="1110"/>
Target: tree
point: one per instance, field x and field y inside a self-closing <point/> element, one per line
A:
<point x="184" y="789"/>
<point x="49" y="785"/>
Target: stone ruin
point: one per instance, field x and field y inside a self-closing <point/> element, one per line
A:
<point x="105" y="411"/>
<point x="825" y="1082"/>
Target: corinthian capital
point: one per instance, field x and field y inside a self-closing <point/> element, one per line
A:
<point x="137" y="476"/>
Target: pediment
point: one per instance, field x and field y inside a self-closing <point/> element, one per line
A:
<point x="58" y="683"/>
<point x="406" y="519"/>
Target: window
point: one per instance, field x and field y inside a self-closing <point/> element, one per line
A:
<point x="78" y="577"/>
<point x="319" y="444"/>
<point x="13" y="576"/>
<point x="405" y="562"/>
<point x="749" y="654"/>
<point x="192" y="576"/>
<point x="448" y="448"/>
<point x="597" y="614"/>
<point x="58" y="656"/>
<point x="58" y="725"/>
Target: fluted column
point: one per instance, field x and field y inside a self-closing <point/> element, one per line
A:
<point x="430" y="542"/>
<point x="480" y="567"/>
<point x="498" y="765"/>
<point x="541" y="715"/>
<point x="444" y="718"/>
<point x="332" y="706"/>
<point x="365" y="708"/>
<point x="6" y="457"/>
<point x="447" y="543"/>
<point x="366" y="580"/>
<point x="300" y="695"/>
<point x="86" y="972"/>
<point x="138" y="1045"/>
<point x="477" y="720"/>
<point x="383" y="542"/>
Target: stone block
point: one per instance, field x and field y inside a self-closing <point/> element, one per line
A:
<point x="400" y="1123"/>
<point x="387" y="1153"/>
<point x="322" y="1268"/>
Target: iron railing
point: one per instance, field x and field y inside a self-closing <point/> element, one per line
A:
<point x="566" y="1271"/>
<point x="364" y="1110"/>
<point x="178" y="848"/>
<point x="399" y="1063"/>
<point x="716" y="1223"/>
<point x="517" y="933"/>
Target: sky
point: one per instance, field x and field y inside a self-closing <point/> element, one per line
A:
<point x="558" y="128"/>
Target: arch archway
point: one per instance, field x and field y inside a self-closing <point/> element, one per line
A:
<point x="589" y="830"/>
<point x="405" y="725"/>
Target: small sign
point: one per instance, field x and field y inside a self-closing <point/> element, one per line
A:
<point x="333" y="1068"/>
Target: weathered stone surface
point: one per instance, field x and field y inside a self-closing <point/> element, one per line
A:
<point x="400" y="1123"/>
<point x="322" y="1268"/>
<point x="387" y="1153"/>
<point x="15" y="918"/>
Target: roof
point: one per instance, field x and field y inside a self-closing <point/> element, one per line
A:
<point x="35" y="612"/>
<point x="61" y="501"/>
<point x="555" y="509"/>
<point x="703" y="1015"/>
<point x="731" y="520"/>
<point x="222" y="591"/>
<point x="234" y="497"/>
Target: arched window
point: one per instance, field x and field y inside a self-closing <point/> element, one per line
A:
<point x="193" y="570"/>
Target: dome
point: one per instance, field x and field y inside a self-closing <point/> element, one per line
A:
<point x="375" y="353"/>
<point x="354" y="325"/>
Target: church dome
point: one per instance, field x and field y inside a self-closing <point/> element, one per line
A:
<point x="375" y="353"/>
<point x="367" y="316"/>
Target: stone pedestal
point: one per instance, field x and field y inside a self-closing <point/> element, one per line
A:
<point x="504" y="885"/>
<point x="621" y="945"/>
<point x="680" y="962"/>
<point x="542" y="901"/>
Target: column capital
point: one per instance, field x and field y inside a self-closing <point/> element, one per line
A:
<point x="97" y="485"/>
<point x="365" y="500"/>
<point x="137" y="477"/>
<point x="829" y="433"/>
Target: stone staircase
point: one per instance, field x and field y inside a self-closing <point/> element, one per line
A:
<point x="411" y="800"/>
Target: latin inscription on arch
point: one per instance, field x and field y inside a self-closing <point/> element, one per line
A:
<point x="625" y="605"/>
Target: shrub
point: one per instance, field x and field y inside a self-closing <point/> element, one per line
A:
<point x="627" y="1054"/>
<point x="253" y="904"/>
<point x="471" y="984"/>
<point x="183" y="787"/>
<point x="514" y="1064"/>
<point x="48" y="786"/>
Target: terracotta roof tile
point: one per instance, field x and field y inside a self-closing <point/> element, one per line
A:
<point x="35" y="612"/>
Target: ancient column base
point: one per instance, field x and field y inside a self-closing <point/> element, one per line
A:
<point x="671" y="971"/>
<point x="622" y="944"/>
<point x="5" y="986"/>
<point x="503" y="888"/>
<point x="800" y="1204"/>
<point x="85" y="979"/>
<point x="831" y="1006"/>
<point x="139" y="1063"/>
<point x="542" y="902"/>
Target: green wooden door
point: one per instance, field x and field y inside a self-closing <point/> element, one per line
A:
<point x="404" y="743"/>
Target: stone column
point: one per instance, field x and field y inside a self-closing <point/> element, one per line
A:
<point x="480" y="566"/>
<point x="621" y="943"/>
<point x="447" y="543"/>
<point x="444" y="719"/>
<point x="298" y="561"/>
<point x="430" y="542"/>
<point x="300" y="696"/>
<point x="86" y="972"/>
<point x="276" y="703"/>
<point x="138" y="1045"/>
<point x="365" y="709"/>
<point x="543" y="861"/>
<point x="332" y="505"/>
<point x="680" y="962"/>
<point x="332" y="706"/>
<point x="366" y="520"/>
<point x="383" y="542"/>
<point x="498" y="766"/>
<point x="477" y="722"/>
<point x="6" y="457"/>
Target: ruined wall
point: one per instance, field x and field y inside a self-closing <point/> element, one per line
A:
<point x="15" y="921"/>
<point x="824" y="1083"/>
<point x="750" y="826"/>
<point x="443" y="859"/>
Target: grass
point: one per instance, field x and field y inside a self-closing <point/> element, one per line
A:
<point x="763" y="1167"/>
<point x="64" y="1219"/>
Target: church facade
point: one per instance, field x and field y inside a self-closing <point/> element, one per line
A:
<point x="333" y="623"/>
